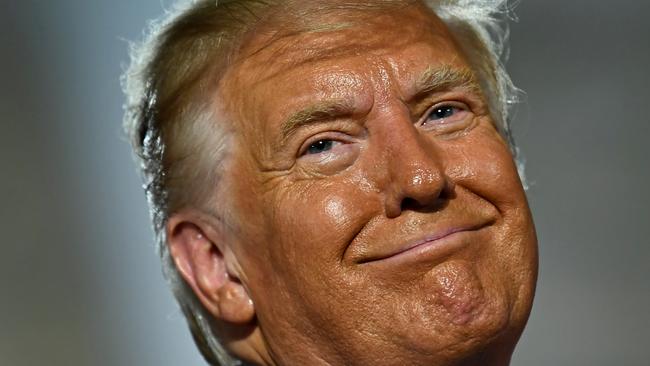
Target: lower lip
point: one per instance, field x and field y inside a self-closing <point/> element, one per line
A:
<point x="431" y="250"/>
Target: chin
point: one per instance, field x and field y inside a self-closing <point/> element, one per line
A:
<point x="462" y="318"/>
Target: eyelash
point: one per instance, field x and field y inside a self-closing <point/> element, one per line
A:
<point x="330" y="144"/>
<point x="456" y="107"/>
<point x="304" y="151"/>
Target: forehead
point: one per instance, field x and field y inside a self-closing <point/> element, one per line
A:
<point x="340" y="54"/>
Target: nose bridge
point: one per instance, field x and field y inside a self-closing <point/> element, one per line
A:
<point x="413" y="160"/>
<point x="409" y="154"/>
<point x="414" y="167"/>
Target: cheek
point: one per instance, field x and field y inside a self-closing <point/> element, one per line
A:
<point x="336" y="212"/>
<point x="292" y="238"/>
<point x="311" y="228"/>
<point x="314" y="223"/>
<point x="483" y="166"/>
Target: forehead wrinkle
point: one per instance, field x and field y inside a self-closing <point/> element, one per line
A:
<point x="291" y="51"/>
<point x="289" y="47"/>
<point x="299" y="53"/>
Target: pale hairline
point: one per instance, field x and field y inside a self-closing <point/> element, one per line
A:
<point x="194" y="311"/>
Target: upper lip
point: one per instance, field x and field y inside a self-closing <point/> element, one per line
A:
<point x="386" y="249"/>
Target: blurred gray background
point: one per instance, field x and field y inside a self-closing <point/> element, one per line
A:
<point x="81" y="284"/>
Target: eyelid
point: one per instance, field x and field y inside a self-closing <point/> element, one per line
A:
<point x="305" y="149"/>
<point x="328" y="135"/>
<point x="450" y="103"/>
<point x="345" y="130"/>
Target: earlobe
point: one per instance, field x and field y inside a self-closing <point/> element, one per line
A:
<point x="235" y="305"/>
<point x="194" y="250"/>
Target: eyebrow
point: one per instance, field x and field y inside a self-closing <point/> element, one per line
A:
<point x="438" y="78"/>
<point x="313" y="114"/>
<point x="433" y="79"/>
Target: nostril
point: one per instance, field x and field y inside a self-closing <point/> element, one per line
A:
<point x="409" y="204"/>
<point x="437" y="204"/>
<point x="419" y="192"/>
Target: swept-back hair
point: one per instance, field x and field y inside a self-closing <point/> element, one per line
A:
<point x="173" y="127"/>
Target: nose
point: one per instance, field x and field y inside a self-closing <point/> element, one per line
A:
<point x="416" y="178"/>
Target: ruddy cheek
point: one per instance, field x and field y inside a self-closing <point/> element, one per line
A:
<point x="458" y="291"/>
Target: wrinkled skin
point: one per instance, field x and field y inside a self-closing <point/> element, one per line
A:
<point x="394" y="232"/>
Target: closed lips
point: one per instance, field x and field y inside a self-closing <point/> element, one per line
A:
<point x="439" y="242"/>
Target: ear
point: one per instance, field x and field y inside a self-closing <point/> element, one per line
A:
<point x="197" y="248"/>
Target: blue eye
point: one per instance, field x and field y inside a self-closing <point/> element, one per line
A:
<point x="447" y="115"/>
<point x="320" y="146"/>
<point x="443" y="112"/>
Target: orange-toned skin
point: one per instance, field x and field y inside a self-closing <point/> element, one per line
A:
<point x="408" y="241"/>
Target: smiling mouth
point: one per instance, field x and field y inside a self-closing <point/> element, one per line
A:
<point x="432" y="247"/>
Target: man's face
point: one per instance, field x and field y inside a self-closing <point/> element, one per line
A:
<point x="379" y="218"/>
